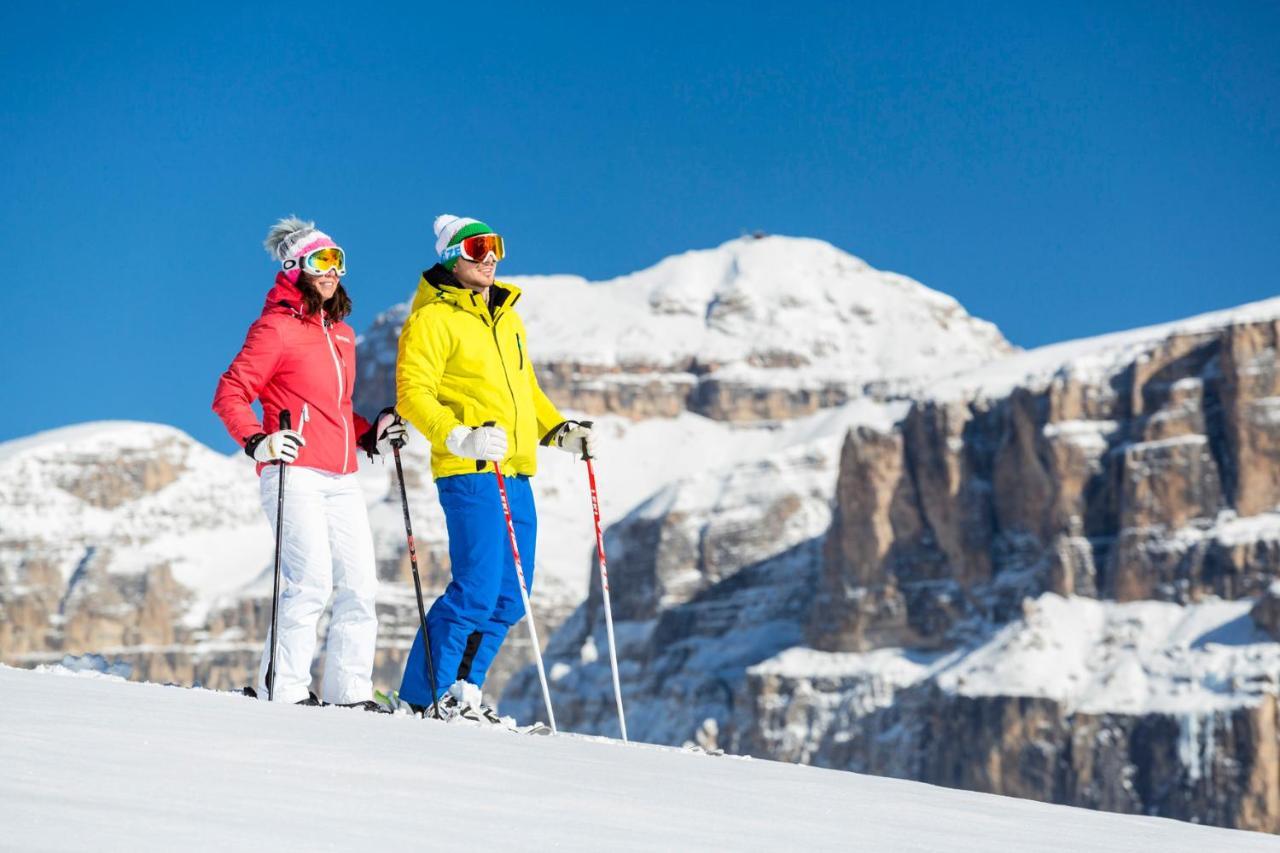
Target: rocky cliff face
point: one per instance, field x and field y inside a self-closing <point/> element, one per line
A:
<point x="1129" y="481"/>
<point x="1156" y="481"/>
<point x="1217" y="768"/>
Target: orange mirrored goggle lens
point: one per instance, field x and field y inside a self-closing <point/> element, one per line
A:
<point x="478" y="248"/>
<point x="321" y="261"/>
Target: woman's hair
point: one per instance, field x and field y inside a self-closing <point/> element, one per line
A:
<point x="336" y="307"/>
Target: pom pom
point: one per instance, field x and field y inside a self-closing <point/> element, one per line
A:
<point x="279" y="239"/>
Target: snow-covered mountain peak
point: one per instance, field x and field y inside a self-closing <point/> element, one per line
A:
<point x="89" y="437"/>
<point x="105" y="464"/>
<point x="757" y="328"/>
<point x="791" y="304"/>
<point x="746" y="272"/>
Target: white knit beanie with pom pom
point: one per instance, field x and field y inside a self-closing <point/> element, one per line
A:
<point x="292" y="239"/>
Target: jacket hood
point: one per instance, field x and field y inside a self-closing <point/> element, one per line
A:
<point x="284" y="295"/>
<point x="438" y="284"/>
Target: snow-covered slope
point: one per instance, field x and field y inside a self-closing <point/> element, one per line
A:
<point x="89" y="762"/>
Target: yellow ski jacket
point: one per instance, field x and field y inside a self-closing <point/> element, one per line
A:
<point x="459" y="365"/>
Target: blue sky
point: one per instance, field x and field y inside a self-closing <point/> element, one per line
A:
<point x="1062" y="170"/>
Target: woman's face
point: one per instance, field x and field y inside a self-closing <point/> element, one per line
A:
<point x="326" y="285"/>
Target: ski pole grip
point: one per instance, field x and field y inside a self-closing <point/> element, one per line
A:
<point x="588" y="425"/>
<point x="399" y="442"/>
<point x="286" y="420"/>
<point x="480" y="462"/>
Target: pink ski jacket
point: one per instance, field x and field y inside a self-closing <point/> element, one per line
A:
<point x="289" y="359"/>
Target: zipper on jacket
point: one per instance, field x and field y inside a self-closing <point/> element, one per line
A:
<point x="337" y="366"/>
<point x="521" y="349"/>
<point x="515" y="407"/>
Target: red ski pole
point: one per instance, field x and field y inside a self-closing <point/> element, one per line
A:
<point x="604" y="586"/>
<point x="524" y="589"/>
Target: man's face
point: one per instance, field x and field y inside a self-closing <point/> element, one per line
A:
<point x="475" y="275"/>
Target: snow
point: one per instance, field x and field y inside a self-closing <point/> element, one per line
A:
<point x="752" y="302"/>
<point x="1094" y="657"/>
<point x="207" y="528"/>
<point x="1091" y="360"/>
<point x="91" y="762"/>
<point x="694" y="452"/>
<point x="1088" y="435"/>
<point x="83" y="437"/>
<point x="204" y="524"/>
<point x="1232" y="530"/>
<point x="776" y="311"/>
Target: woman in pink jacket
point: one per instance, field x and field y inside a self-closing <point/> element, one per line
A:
<point x="300" y="357"/>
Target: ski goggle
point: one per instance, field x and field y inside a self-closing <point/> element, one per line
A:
<point x="477" y="249"/>
<point x="321" y="261"/>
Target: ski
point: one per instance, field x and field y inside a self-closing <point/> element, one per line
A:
<point x="474" y="719"/>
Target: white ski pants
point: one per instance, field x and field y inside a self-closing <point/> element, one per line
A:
<point x="327" y="545"/>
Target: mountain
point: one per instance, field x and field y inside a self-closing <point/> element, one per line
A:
<point x="159" y="556"/>
<point x="755" y="329"/>
<point x="1050" y="573"/>
<point x="119" y="538"/>
<point x="92" y="762"/>
<point x="1052" y="576"/>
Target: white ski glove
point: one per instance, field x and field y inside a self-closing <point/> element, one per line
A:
<point x="282" y="446"/>
<point x="576" y="437"/>
<point x="486" y="442"/>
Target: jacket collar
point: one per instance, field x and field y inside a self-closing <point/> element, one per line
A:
<point x="440" y="285"/>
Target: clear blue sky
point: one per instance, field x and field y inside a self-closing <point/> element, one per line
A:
<point x="1061" y="169"/>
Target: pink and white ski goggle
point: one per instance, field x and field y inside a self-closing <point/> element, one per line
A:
<point x="320" y="261"/>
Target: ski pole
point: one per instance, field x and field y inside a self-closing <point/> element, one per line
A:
<point x="604" y="586"/>
<point x="285" y="423"/>
<point x="417" y="582"/>
<point x="524" y="590"/>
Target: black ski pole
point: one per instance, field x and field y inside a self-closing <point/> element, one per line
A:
<point x="285" y="423"/>
<point x="417" y="581"/>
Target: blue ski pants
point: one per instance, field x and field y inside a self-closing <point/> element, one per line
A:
<point x="468" y="623"/>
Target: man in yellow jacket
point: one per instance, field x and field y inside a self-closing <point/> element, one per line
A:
<point x="465" y="380"/>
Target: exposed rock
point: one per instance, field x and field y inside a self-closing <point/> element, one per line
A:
<point x="1118" y="488"/>
<point x="1217" y="768"/>
<point x="1266" y="612"/>
<point x="1250" y="400"/>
